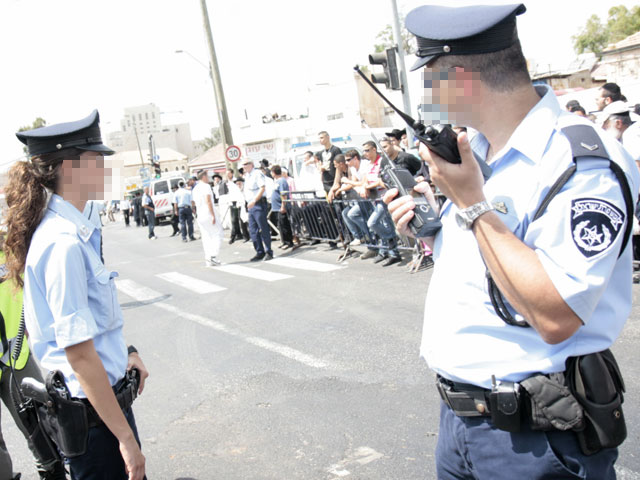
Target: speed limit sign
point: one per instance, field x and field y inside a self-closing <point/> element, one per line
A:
<point x="233" y="153"/>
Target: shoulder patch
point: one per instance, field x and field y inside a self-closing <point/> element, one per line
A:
<point x="595" y="225"/>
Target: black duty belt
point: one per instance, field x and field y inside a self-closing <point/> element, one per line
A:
<point x="463" y="399"/>
<point x="126" y="391"/>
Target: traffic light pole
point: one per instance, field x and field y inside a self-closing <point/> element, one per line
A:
<point x="397" y="35"/>
<point x="223" y="117"/>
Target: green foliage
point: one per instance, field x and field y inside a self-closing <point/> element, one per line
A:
<point x="213" y="140"/>
<point x="595" y="35"/>
<point x="39" y="122"/>
<point x="385" y="39"/>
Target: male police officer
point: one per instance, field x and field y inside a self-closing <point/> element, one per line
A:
<point x="563" y="270"/>
<point x="254" y="193"/>
<point x="184" y="212"/>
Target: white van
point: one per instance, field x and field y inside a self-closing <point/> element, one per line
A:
<point x="162" y="196"/>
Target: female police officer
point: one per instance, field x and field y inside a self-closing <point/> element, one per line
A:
<point x="72" y="312"/>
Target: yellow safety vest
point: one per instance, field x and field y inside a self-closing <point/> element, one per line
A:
<point x="11" y="308"/>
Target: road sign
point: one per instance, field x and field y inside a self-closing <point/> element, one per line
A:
<point x="144" y="172"/>
<point x="233" y="153"/>
<point x="156" y="157"/>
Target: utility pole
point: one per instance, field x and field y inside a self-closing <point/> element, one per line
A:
<point x="397" y="35"/>
<point x="223" y="117"/>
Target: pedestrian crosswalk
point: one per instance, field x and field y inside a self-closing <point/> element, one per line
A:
<point x="194" y="284"/>
<point x="259" y="272"/>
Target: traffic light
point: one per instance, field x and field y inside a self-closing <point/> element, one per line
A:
<point x="157" y="169"/>
<point x="390" y="76"/>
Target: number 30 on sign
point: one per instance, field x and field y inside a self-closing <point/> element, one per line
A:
<point x="233" y="153"/>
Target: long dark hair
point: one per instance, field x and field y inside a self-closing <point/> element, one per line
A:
<point x="26" y="196"/>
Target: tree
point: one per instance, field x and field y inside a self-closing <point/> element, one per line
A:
<point x="39" y="122"/>
<point x="386" y="39"/>
<point x="213" y="140"/>
<point x="595" y="35"/>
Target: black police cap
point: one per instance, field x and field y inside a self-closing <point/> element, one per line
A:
<point x="82" y="134"/>
<point x="462" y="30"/>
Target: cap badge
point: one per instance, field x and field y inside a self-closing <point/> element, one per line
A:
<point x="446" y="48"/>
<point x="59" y="146"/>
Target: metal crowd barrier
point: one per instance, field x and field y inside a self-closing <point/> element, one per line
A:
<point x="315" y="219"/>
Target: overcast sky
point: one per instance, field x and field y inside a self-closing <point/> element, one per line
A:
<point x="60" y="59"/>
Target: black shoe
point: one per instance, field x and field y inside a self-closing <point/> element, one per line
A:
<point x="379" y="258"/>
<point x="192" y="239"/>
<point x="267" y="257"/>
<point x="57" y="473"/>
<point x="231" y="240"/>
<point x="391" y="260"/>
<point x="286" y="245"/>
<point x="333" y="245"/>
<point x="247" y="240"/>
<point x="174" y="234"/>
<point x="315" y="242"/>
<point x="184" y="240"/>
<point x="257" y="258"/>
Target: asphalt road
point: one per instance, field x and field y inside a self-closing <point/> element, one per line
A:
<point x="299" y="371"/>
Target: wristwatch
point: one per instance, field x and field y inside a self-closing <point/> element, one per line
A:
<point x="467" y="216"/>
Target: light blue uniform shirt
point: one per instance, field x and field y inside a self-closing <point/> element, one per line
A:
<point x="463" y="338"/>
<point x="183" y="197"/>
<point x="69" y="295"/>
<point x="253" y="182"/>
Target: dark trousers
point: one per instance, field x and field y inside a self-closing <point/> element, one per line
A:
<point x="273" y="220"/>
<point x="186" y="222"/>
<point x="126" y="217"/>
<point x="137" y="216"/>
<point x="238" y="227"/>
<point x="472" y="448"/>
<point x="286" y="235"/>
<point x="151" y="221"/>
<point x="259" y="228"/>
<point x="103" y="460"/>
<point x="175" y="221"/>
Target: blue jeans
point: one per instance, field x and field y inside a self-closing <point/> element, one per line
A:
<point x="151" y="219"/>
<point x="103" y="460"/>
<point x="354" y="217"/>
<point x="186" y="221"/>
<point x="472" y="448"/>
<point x="381" y="224"/>
<point x="259" y="228"/>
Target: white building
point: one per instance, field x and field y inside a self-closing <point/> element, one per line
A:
<point x="140" y="122"/>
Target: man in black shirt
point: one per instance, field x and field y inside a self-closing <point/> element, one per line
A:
<point x="400" y="158"/>
<point x="328" y="154"/>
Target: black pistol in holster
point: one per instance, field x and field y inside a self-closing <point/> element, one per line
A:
<point x="67" y="420"/>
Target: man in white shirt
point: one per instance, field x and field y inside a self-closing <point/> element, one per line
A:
<point x="208" y="219"/>
<point x="125" y="206"/>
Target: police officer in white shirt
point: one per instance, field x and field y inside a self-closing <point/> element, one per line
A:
<point x="254" y="192"/>
<point x="185" y="214"/>
<point x="558" y="258"/>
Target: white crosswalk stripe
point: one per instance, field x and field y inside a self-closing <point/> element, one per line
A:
<point x="194" y="284"/>
<point x="300" y="264"/>
<point x="255" y="273"/>
<point x="141" y="293"/>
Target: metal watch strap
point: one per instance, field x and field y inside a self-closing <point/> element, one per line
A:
<point x="476" y="210"/>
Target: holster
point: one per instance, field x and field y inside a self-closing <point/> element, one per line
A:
<point x="596" y="382"/>
<point x="64" y="418"/>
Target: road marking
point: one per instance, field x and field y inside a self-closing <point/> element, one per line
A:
<point x="141" y="293"/>
<point x="252" y="273"/>
<point x="304" y="264"/>
<point x="194" y="284"/>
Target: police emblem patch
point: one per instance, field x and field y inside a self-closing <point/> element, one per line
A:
<point x="595" y="224"/>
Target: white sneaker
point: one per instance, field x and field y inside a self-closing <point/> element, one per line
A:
<point x="356" y="243"/>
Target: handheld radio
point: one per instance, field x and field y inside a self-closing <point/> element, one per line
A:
<point x="440" y="139"/>
<point x="425" y="222"/>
